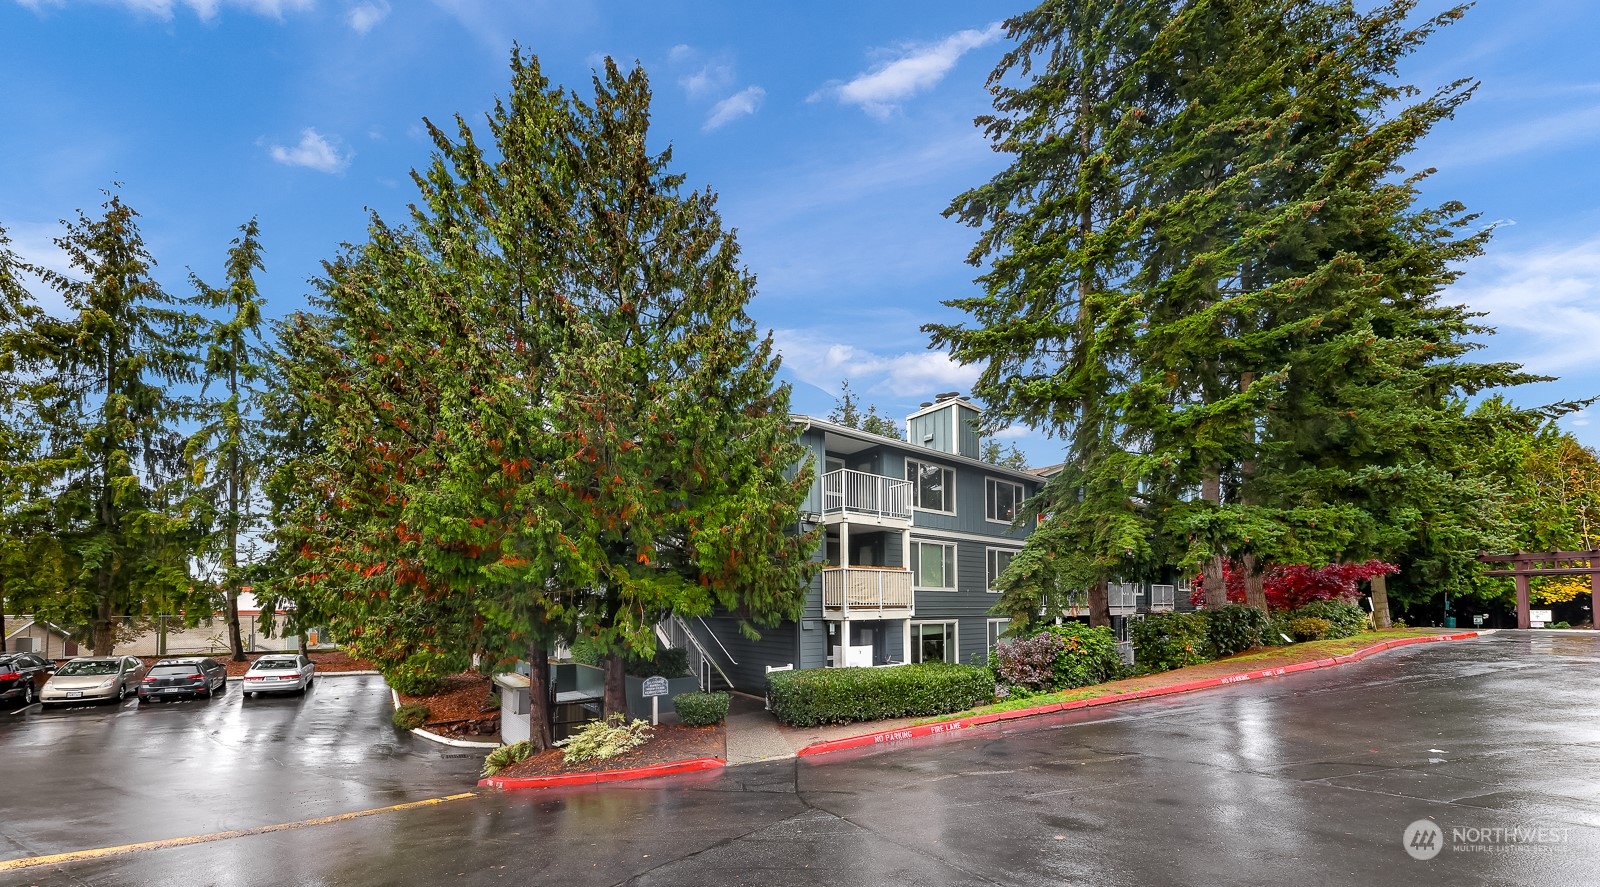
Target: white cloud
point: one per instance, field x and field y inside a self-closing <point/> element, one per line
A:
<point x="365" y="16"/>
<point x="1546" y="300"/>
<point x="741" y="104"/>
<point x="1566" y="129"/>
<point x="206" y="10"/>
<point x="822" y="362"/>
<point x="918" y="69"/>
<point x="34" y="244"/>
<point x="314" y="152"/>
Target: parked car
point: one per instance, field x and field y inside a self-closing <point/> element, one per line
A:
<point x="21" y="675"/>
<point x="278" y="672"/>
<point x="93" y="678"/>
<point x="190" y="676"/>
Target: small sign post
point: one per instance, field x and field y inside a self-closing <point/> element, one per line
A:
<point x="1538" y="618"/>
<point x="655" y="687"/>
<point x="1477" y="621"/>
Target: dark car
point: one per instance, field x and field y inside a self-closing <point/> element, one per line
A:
<point x="190" y="676"/>
<point x="21" y="676"/>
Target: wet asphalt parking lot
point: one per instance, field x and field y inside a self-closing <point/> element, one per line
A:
<point x="1307" y="779"/>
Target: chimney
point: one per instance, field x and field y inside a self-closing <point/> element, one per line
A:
<point x="948" y="423"/>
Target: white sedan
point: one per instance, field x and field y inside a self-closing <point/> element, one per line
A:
<point x="278" y="672"/>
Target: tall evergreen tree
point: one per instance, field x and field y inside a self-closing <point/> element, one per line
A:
<point x="106" y="522"/>
<point x="18" y="431"/>
<point x="1273" y="333"/>
<point x="541" y="409"/>
<point x="226" y="451"/>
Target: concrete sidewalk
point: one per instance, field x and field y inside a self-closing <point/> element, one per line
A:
<point x="753" y="733"/>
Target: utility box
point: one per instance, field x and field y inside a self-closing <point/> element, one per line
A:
<point x="513" y="707"/>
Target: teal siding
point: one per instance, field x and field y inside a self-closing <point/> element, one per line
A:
<point x="934" y="431"/>
<point x="967" y="422"/>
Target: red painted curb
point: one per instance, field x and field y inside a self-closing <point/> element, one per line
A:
<point x="508" y="782"/>
<point x="922" y="730"/>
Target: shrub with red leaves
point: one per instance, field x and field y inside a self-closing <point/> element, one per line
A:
<point x="1297" y="584"/>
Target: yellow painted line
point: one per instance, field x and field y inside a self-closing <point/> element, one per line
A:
<point x="29" y="862"/>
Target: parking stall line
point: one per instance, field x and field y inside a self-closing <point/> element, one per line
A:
<point x="28" y="862"/>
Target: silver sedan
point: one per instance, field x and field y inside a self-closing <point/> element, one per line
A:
<point x="93" y="679"/>
<point x="279" y="672"/>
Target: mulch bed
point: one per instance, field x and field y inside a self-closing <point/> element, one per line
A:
<point x="671" y="743"/>
<point x="465" y="697"/>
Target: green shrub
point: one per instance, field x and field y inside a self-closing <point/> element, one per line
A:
<point x="842" y="695"/>
<point x="1234" y="629"/>
<point x="419" y="675"/>
<point x="701" y="709"/>
<point x="1087" y="656"/>
<point x="598" y="740"/>
<point x="410" y="716"/>
<point x="1277" y="633"/>
<point x="1309" y="628"/>
<point x="505" y="756"/>
<point x="1346" y="617"/>
<point x="669" y="662"/>
<point x="1561" y="624"/>
<point x="1163" y="641"/>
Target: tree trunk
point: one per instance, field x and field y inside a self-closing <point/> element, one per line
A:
<point x="1212" y="576"/>
<point x="616" y="687"/>
<point x="1380" y="602"/>
<point x="235" y="636"/>
<point x="230" y="561"/>
<point x="102" y="630"/>
<point x="540" y="715"/>
<point x="1255" y="583"/>
<point x="1099" y="605"/>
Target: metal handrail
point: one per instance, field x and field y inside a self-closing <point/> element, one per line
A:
<point x="858" y="492"/>
<point x="706" y="658"/>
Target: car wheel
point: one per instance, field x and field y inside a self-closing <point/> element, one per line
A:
<point x="122" y="693"/>
<point x="27" y="693"/>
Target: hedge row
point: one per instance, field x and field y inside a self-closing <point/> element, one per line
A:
<point x="842" y="695"/>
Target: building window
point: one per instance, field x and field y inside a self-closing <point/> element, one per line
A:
<point x="933" y="565"/>
<point x="997" y="627"/>
<point x="998" y="559"/>
<point x="1001" y="498"/>
<point x="933" y="487"/>
<point x="933" y="642"/>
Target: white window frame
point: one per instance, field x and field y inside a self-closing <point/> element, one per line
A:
<point x="989" y="630"/>
<point x="949" y="486"/>
<point x="916" y="565"/>
<point x="1020" y="494"/>
<point x="952" y="640"/>
<point x="989" y="572"/>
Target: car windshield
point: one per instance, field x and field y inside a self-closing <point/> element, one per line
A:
<point x="88" y="668"/>
<point x="276" y="665"/>
<point x="175" y="669"/>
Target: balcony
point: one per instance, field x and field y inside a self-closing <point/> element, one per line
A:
<point x="866" y="498"/>
<point x="1122" y="598"/>
<point x="1162" y="598"/>
<point x="875" y="591"/>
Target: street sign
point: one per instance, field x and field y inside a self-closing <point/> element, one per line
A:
<point x="655" y="686"/>
<point x="1477" y="621"/>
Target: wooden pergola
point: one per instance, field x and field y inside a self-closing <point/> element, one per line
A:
<point x="1527" y="564"/>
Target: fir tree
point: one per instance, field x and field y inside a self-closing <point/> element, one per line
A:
<point x="226" y="451"/>
<point x="847" y="412"/>
<point x="106" y="520"/>
<point x="541" y="410"/>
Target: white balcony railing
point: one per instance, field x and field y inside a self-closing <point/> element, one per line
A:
<point x="1122" y="597"/>
<point x="857" y="492"/>
<point x="1162" y="597"/>
<point x="866" y="588"/>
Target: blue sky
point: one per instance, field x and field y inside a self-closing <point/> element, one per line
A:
<point x="834" y="132"/>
